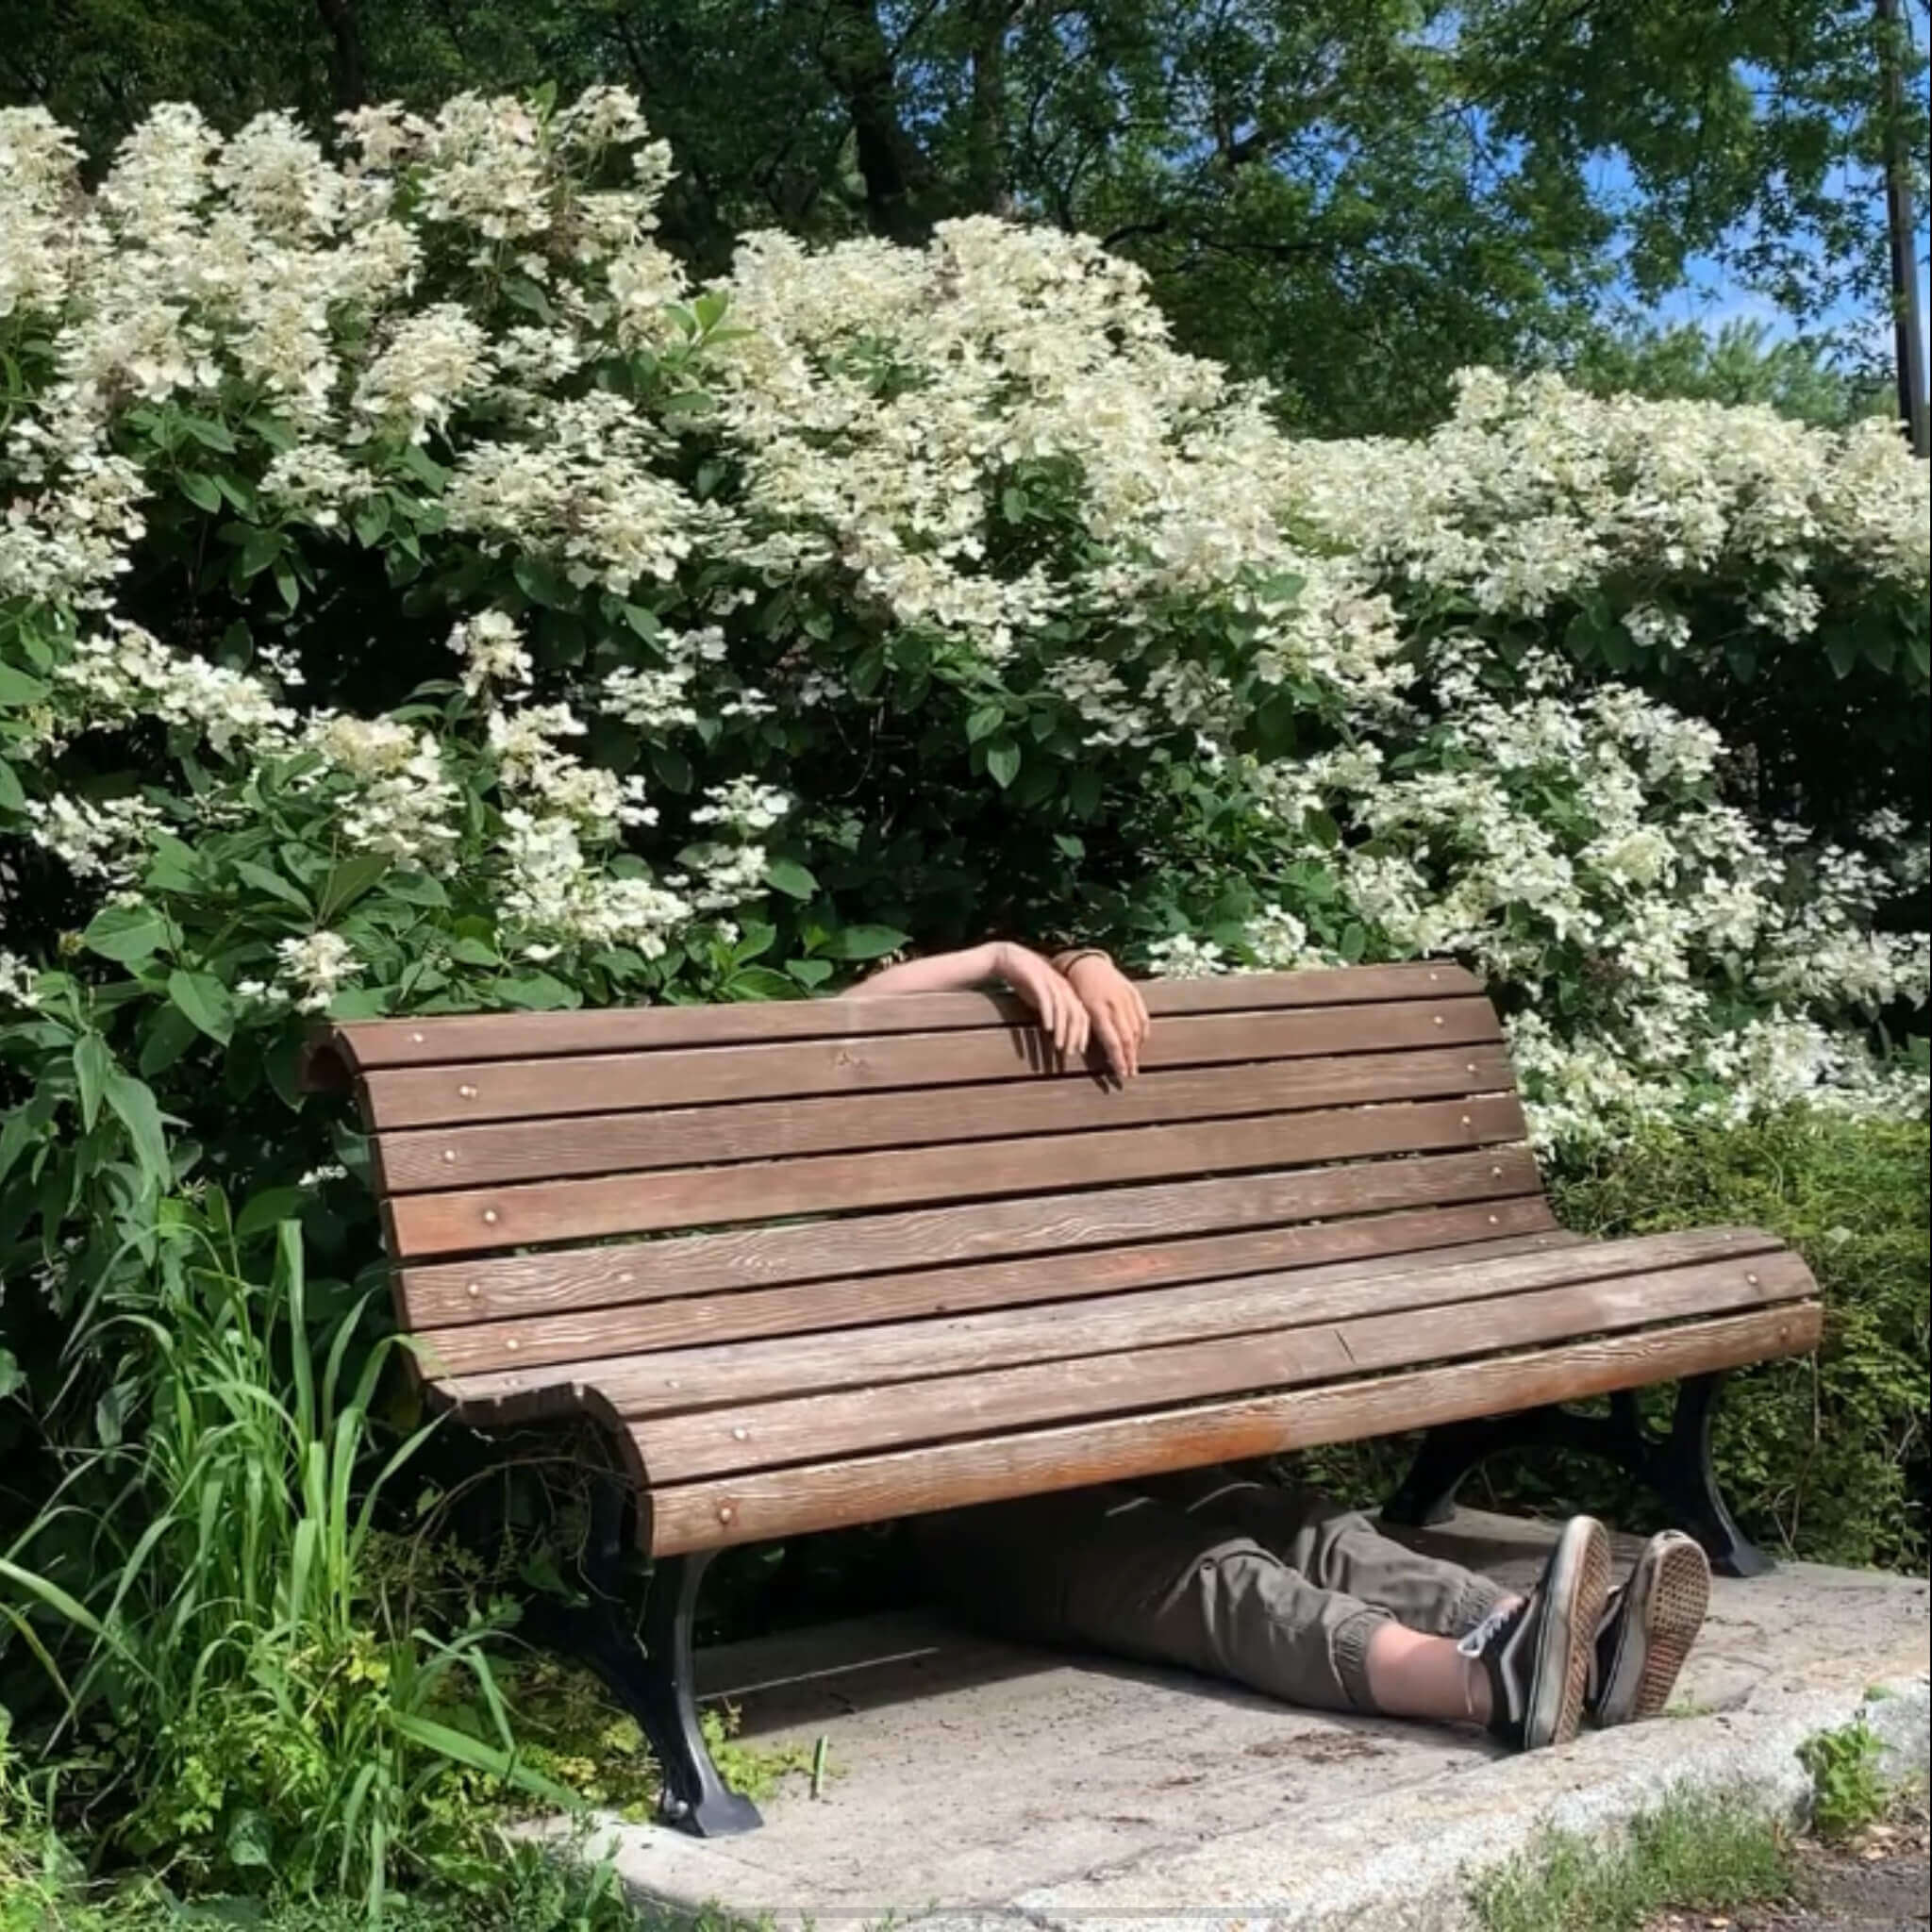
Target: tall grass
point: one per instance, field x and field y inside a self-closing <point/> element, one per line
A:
<point x="247" y="1687"/>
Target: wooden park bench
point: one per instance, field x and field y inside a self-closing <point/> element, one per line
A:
<point x="838" y="1261"/>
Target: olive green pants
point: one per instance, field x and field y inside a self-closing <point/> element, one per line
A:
<point x="1213" y="1570"/>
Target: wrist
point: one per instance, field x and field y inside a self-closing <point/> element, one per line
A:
<point x="1063" y="963"/>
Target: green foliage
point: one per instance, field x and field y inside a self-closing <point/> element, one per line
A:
<point x="1694" y="1851"/>
<point x="1848" y="1791"/>
<point x="1354" y="200"/>
<point x="1824" y="1457"/>
<point x="253" y="1715"/>
<point x="1743" y="362"/>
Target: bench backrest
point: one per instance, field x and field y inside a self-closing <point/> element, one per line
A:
<point x="565" y="1190"/>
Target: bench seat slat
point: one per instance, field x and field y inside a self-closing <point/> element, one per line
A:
<point x="753" y="1436"/>
<point x="515" y="1036"/>
<point x="439" y="1294"/>
<point x="711" y="1512"/>
<point x="480" y="1218"/>
<point x="523" y="1346"/>
<point x="528" y="1089"/>
<point x="424" y="1159"/>
<point x="727" y="1377"/>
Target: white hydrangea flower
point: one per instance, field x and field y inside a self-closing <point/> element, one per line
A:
<point x="315" y="969"/>
<point x="493" y="654"/>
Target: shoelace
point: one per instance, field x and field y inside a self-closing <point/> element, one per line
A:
<point x="1493" y="1624"/>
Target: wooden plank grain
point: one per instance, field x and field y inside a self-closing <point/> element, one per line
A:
<point x="423" y="1160"/>
<point x="476" y="1219"/>
<point x="714" y="1512"/>
<point x="475" y="1036"/>
<point x="747" y="1436"/>
<point x="526" y="1089"/>
<point x="726" y="1375"/>
<point x="523" y="1346"/>
<point x="442" y="1294"/>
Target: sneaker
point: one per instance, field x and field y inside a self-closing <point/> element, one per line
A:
<point x="1536" y="1652"/>
<point x="1648" y="1627"/>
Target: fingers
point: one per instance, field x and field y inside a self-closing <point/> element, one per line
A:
<point x="1143" y="1024"/>
<point x="1119" y="1055"/>
<point x="1078" y="1026"/>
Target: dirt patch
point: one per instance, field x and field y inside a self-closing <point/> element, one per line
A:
<point x="1880" y="1884"/>
<point x="1316" y="1747"/>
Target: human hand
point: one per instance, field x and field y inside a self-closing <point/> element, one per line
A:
<point x="1114" y="1004"/>
<point x="1061" y="1016"/>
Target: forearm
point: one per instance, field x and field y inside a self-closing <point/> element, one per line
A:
<point x="939" y="972"/>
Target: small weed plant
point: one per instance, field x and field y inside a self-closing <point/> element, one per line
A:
<point x="1848" y="1791"/>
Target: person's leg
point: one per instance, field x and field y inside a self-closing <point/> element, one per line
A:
<point x="1336" y="1549"/>
<point x="1126" y="1574"/>
<point x="1521" y="1664"/>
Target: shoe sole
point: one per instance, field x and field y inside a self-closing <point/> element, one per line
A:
<point x="1578" y="1584"/>
<point x="1672" y="1614"/>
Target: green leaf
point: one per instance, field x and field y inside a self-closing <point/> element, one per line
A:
<point x="266" y="879"/>
<point x="809" y="972"/>
<point x="1003" y="762"/>
<point x="759" y="983"/>
<point x="201" y="491"/>
<point x="788" y="876"/>
<point x="415" y="889"/>
<point x="459" y="1747"/>
<point x="125" y="933"/>
<point x="93" y="1066"/>
<point x="134" y="1102"/>
<point x="204" y="1000"/>
<point x="251" y="1841"/>
<point x="542" y="583"/>
<point x="865" y="942"/>
<point x="472" y="951"/>
<point x="12" y="1377"/>
<point x="260" y="549"/>
<point x="169" y="1034"/>
<point x="1843" y="652"/>
<point x="17" y="688"/>
<point x="348" y="882"/>
<point x="209" y="434"/>
<point x="270" y="1209"/>
<point x="537" y="992"/>
<point x="985" y="722"/>
<point x="12" y="794"/>
<point x="371" y="522"/>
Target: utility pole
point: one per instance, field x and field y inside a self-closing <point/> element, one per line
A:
<point x="1908" y="317"/>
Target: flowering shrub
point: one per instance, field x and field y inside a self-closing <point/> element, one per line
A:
<point x="1769" y="579"/>
<point x="415" y="595"/>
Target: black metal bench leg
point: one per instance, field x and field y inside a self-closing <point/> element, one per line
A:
<point x="653" y="1681"/>
<point x="695" y="1798"/>
<point x="1683" y="1475"/>
<point x="1676" y="1465"/>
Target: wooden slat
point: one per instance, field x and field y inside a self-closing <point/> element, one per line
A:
<point x="373" y="1044"/>
<point x="716" y="1441"/>
<point x="427" y="1159"/>
<point x="523" y="1347"/>
<point x="443" y="1295"/>
<point x="717" y="1511"/>
<point x="526" y="1089"/>
<point x="727" y="1375"/>
<point x="485" y="1218"/>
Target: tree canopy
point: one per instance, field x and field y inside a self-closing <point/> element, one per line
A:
<point x="1349" y="197"/>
